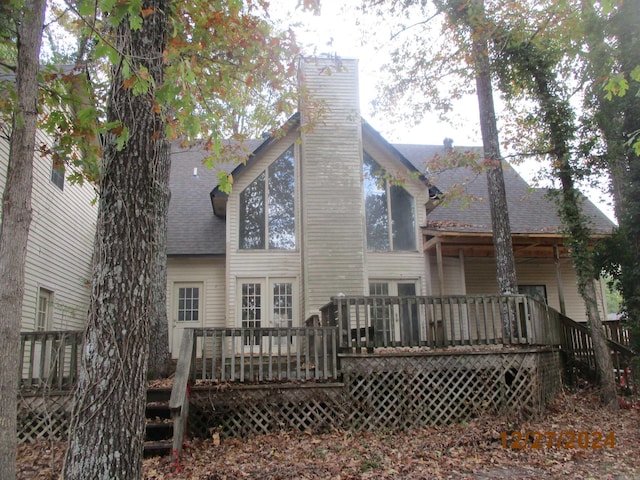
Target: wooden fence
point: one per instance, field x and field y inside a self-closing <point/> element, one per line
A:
<point x="385" y="321"/>
<point x="249" y="354"/>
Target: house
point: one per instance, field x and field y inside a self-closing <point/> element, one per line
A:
<point x="336" y="209"/>
<point x="60" y="245"/>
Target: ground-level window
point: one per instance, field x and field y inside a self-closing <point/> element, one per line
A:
<point x="45" y="310"/>
<point x="267" y="303"/>
<point x="187" y="310"/>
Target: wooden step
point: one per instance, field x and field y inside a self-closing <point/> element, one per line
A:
<point x="157" y="448"/>
<point x="159" y="426"/>
<point x="158" y="394"/>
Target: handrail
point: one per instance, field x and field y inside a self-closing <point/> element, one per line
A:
<point x="50" y="359"/>
<point x="440" y="321"/>
<point x="266" y="354"/>
<point x="577" y="342"/>
<point x="179" y="401"/>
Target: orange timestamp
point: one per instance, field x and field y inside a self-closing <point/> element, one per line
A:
<point x="517" y="440"/>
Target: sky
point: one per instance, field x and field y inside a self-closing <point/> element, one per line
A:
<point x="338" y="30"/>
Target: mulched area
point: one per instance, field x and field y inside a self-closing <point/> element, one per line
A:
<point x="474" y="450"/>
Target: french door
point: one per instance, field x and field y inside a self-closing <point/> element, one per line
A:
<point x="397" y="323"/>
<point x="267" y="303"/>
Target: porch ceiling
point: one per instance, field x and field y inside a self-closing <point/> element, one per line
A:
<point x="481" y="244"/>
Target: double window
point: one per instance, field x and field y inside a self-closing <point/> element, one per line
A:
<point x="389" y="210"/>
<point x="267" y="207"/>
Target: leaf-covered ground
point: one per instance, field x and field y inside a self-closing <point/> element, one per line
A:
<point x="473" y="450"/>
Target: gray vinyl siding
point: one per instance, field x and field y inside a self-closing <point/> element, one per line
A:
<point x="333" y="208"/>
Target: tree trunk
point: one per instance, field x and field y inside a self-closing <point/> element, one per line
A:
<point x="16" y="219"/>
<point x="502" y="242"/>
<point x="159" y="356"/>
<point x="558" y="118"/>
<point x="578" y="242"/>
<point x="107" y="426"/>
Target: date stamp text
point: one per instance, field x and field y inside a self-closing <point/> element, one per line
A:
<point x="569" y="439"/>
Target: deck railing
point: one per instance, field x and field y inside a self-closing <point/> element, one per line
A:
<point x="389" y="321"/>
<point x="49" y="359"/>
<point x="578" y="345"/>
<point x="264" y="354"/>
<point x="248" y="355"/>
<point x="617" y="331"/>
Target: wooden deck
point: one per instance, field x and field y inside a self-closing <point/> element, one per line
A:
<point x="365" y="362"/>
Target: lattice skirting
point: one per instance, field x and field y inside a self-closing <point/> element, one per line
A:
<point x="240" y="411"/>
<point x="378" y="392"/>
<point x="44" y="416"/>
<point x="398" y="392"/>
<point x="388" y="392"/>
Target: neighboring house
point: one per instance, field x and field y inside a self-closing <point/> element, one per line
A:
<point x="60" y="245"/>
<point x="314" y="213"/>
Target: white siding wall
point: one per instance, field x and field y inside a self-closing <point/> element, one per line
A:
<point x="481" y="279"/>
<point x="210" y="271"/>
<point x="453" y="278"/>
<point x="60" y="246"/>
<point x="258" y="264"/>
<point x="332" y="198"/>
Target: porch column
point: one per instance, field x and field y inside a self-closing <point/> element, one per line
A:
<point x="440" y="267"/>
<point x="556" y="260"/>
<point x="463" y="275"/>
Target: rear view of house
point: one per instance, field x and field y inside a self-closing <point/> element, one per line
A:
<point x="330" y="208"/>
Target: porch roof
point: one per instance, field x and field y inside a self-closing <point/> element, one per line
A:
<point x="465" y="223"/>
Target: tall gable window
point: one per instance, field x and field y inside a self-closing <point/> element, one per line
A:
<point x="267" y="207"/>
<point x="389" y="209"/>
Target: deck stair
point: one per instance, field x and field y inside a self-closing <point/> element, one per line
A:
<point x="159" y="426"/>
<point x="577" y="346"/>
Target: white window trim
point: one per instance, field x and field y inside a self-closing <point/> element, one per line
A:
<point x="176" y="301"/>
<point x="48" y="321"/>
<point x="296" y="203"/>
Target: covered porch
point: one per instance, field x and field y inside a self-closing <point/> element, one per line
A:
<point x="463" y="261"/>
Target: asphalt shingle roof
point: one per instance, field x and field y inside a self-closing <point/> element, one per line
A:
<point x="531" y="210"/>
<point x="193" y="229"/>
